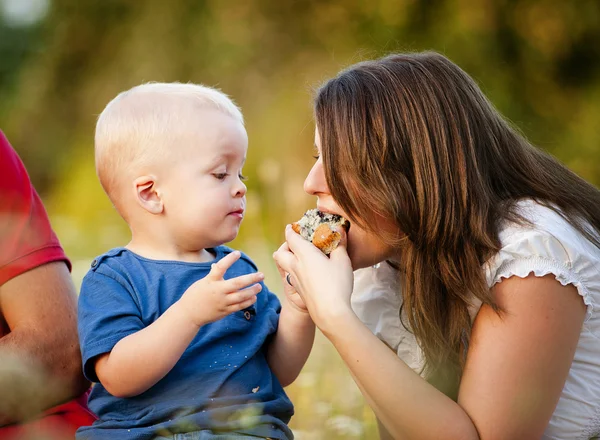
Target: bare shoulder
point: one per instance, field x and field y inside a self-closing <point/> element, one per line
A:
<point x="519" y="359"/>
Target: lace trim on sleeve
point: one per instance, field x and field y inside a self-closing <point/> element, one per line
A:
<point x="539" y="266"/>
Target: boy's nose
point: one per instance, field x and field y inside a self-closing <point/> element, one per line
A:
<point x="240" y="189"/>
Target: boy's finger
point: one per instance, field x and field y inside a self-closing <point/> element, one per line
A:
<point x="219" y="268"/>
<point x="243" y="295"/>
<point x="237" y="283"/>
<point x="243" y="305"/>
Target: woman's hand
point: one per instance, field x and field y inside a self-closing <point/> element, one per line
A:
<point x="291" y="294"/>
<point x="324" y="283"/>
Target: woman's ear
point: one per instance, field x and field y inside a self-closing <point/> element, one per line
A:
<point x="147" y="194"/>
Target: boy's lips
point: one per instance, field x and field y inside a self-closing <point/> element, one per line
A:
<point x="237" y="213"/>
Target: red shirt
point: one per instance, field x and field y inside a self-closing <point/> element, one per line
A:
<point x="27" y="241"/>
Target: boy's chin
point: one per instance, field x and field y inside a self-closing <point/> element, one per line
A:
<point x="214" y="241"/>
<point x="228" y="238"/>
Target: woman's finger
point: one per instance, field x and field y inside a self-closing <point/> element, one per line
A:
<point x="284" y="259"/>
<point x="282" y="272"/>
<point x="340" y="253"/>
<point x="300" y="246"/>
<point x="283" y="248"/>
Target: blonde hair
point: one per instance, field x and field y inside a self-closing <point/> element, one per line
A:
<point x="138" y="127"/>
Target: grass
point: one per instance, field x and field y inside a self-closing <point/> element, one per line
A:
<point x="327" y="401"/>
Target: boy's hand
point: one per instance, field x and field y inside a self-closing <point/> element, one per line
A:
<point x="213" y="298"/>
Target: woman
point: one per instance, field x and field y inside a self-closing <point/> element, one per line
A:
<point x="495" y="330"/>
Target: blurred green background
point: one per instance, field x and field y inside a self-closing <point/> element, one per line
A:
<point x="61" y="61"/>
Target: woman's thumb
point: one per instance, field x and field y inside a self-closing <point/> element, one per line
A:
<point x="340" y="252"/>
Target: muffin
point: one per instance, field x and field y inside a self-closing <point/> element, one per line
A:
<point x="319" y="228"/>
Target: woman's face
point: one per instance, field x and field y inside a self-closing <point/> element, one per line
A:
<point x="364" y="248"/>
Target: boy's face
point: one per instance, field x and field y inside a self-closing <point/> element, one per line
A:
<point x="203" y="193"/>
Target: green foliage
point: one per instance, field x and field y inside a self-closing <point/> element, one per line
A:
<point x="536" y="59"/>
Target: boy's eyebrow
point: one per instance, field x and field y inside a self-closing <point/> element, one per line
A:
<point x="225" y="156"/>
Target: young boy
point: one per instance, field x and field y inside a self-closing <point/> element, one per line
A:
<point x="179" y="331"/>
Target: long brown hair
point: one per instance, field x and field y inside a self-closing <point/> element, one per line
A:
<point x="412" y="137"/>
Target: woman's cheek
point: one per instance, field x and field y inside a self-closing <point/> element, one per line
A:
<point x="365" y="249"/>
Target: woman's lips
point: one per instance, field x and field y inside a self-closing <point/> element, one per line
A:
<point x="325" y="210"/>
<point x="330" y="211"/>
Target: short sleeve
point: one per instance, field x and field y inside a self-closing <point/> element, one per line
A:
<point x="536" y="251"/>
<point x="107" y="313"/>
<point x="26" y="237"/>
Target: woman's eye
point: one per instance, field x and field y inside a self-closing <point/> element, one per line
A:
<point x="220" y="176"/>
<point x="243" y="178"/>
<point x="316" y="157"/>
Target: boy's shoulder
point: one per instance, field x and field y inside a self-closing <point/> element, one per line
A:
<point x="245" y="259"/>
<point x="114" y="266"/>
<point x="108" y="258"/>
<point x="114" y="263"/>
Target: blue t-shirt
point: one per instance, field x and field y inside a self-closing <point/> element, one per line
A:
<point x="222" y="382"/>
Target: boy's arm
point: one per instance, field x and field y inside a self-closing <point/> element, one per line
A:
<point x="140" y="360"/>
<point x="289" y="349"/>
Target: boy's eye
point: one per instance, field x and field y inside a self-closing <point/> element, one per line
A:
<point x="242" y="177"/>
<point x="220" y="176"/>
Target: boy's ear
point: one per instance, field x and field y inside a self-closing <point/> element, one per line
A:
<point x="147" y="194"/>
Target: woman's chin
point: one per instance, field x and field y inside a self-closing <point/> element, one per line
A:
<point x="360" y="258"/>
<point x="367" y="250"/>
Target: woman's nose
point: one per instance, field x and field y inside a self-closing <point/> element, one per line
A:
<point x="315" y="182"/>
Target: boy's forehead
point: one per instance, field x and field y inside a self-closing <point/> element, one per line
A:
<point x="214" y="122"/>
<point x="216" y="129"/>
<point x="227" y="156"/>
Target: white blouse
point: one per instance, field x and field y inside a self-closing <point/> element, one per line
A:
<point x="550" y="245"/>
